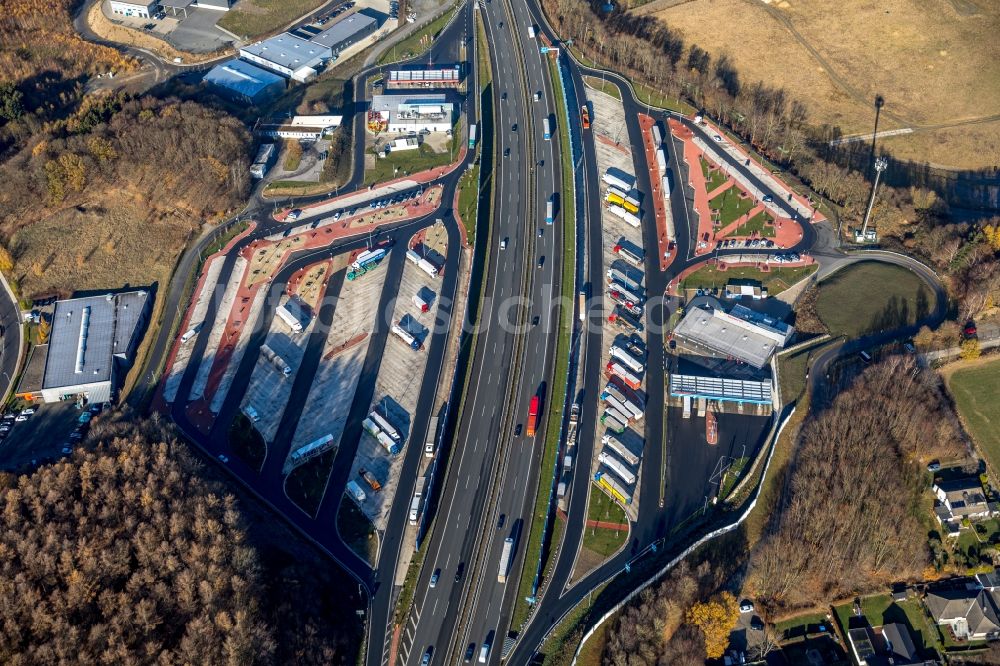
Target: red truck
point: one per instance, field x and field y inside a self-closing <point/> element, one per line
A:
<point x="585" y="116"/>
<point x="532" y="416"/>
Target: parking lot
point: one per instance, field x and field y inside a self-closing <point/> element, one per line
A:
<point x="183" y="355"/>
<point x="197" y="32"/>
<point x="608" y="127"/>
<point x="217" y="330"/>
<point x="332" y="392"/>
<point x="41" y="438"/>
<point x="400" y="379"/>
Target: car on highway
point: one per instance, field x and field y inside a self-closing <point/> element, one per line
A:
<point x="459" y="571"/>
<point x="541" y="261"/>
<point x="426" y="660"/>
<point x="513" y="128"/>
<point x="535" y="320"/>
<point x="435" y="577"/>
<point x="517" y="430"/>
<point x="470" y="652"/>
<point x="484" y="651"/>
<point x="538" y="95"/>
<point x="503" y="244"/>
<point x="541" y="232"/>
<point x="501" y="520"/>
<point x="503" y="97"/>
<point x="506" y="152"/>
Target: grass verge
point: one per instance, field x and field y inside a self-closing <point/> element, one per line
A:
<point x="977" y="393"/>
<point x="254" y="18"/>
<point x="604" y="540"/>
<point x="792" y="370"/>
<point x="540" y="513"/>
<point x="871" y="296"/>
<point x="775" y="280"/>
<point x="468" y="200"/>
<point x="246" y="442"/>
<point x="357" y="532"/>
<point x="409" y="587"/>
<point x="307" y="482"/>
<point x="603" y="86"/>
<point x="418" y="42"/>
<point x="485" y="70"/>
<point x="562" y="642"/>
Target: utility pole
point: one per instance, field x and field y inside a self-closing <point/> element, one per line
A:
<point x="880" y="165"/>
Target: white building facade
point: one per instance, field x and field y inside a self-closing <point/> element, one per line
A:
<point x="134" y="9"/>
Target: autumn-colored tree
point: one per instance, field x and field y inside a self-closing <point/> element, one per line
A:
<point x="43" y="331"/>
<point x="970" y="350"/>
<point x="715" y="618"/>
<point x="6" y="261"/>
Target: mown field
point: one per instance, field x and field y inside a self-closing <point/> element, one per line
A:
<point x="976" y="390"/>
<point x="869" y="297"/>
<point x="934" y="63"/>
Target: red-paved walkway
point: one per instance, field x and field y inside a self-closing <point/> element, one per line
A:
<point x="659" y="203"/>
<point x="696" y="179"/>
<point x="608" y="142"/>
<point x="314" y="238"/>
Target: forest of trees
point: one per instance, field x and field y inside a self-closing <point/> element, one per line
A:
<point x="853" y="514"/>
<point x="127" y="554"/>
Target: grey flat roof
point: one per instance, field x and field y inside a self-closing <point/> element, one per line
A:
<point x="175" y="4"/>
<point x="344" y="29"/>
<point x="392" y="102"/>
<point x="287" y="50"/>
<point x="83" y="354"/>
<point x="731" y="336"/>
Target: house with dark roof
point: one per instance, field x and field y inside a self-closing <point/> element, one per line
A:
<point x="970" y="612"/>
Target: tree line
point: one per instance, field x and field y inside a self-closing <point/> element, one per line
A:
<point x="128" y="553"/>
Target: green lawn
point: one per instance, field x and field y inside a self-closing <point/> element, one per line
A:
<point x="647" y="95"/>
<point x="730" y="206"/>
<point x="357" y="531"/>
<point x="418" y="42"/>
<point x="977" y="393"/>
<point x="869" y="297"/>
<point x="732" y="476"/>
<point x="600" y="540"/>
<point x="246" y="442"/>
<point x="762" y="224"/>
<point x="254" y="18"/>
<point x="306" y="484"/>
<point x="406" y="162"/>
<point x="776" y="280"/>
<point x="485" y="71"/>
<point x="603" y="86"/>
<point x="714" y="177"/>
<point x="468" y="197"/>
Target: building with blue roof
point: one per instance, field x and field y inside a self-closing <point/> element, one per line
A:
<point x="242" y="82"/>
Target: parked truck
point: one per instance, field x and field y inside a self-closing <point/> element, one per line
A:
<point x="612" y="487"/>
<point x="384" y="425"/>
<point x="625" y="303"/>
<point x="370" y="479"/>
<point x="630" y="219"/>
<point x="275" y="360"/>
<point x="417" y="503"/>
<point x="585" y="116"/>
<point x="532" y="422"/>
<point x="687" y="407"/>
<point x="628" y="378"/>
<point x="629" y="255"/>
<point x="614" y="403"/>
<point x="617" y="467"/>
<point x="632" y="363"/>
<point x="422" y="263"/>
<point x="661" y="160"/>
<point x="613" y="421"/>
<point x="506" y="555"/>
<point x="574" y="424"/>
<point x="631" y="294"/>
<point x="405" y="336"/>
<point x="631" y="280"/>
<point x="431" y="440"/>
<point x="618" y="178"/>
<point x="421" y="302"/>
<point x="618" y="447"/>
<point x="625" y="321"/>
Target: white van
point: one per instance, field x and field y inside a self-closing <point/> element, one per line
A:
<point x="484" y="653"/>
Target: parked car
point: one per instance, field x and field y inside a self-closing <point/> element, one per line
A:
<point x="21" y="417"/>
<point x="223" y="458"/>
<point x="746" y="606"/>
<point x="767" y="198"/>
<point x="28" y="411"/>
<point x="934" y="466"/>
<point x="85" y="417"/>
<point x="970" y="331"/>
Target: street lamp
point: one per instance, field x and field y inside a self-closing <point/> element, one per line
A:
<point x="880" y="165"/>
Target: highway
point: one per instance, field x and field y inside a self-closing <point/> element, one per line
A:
<point x="511" y="363"/>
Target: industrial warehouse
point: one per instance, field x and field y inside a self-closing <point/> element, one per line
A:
<point x="411" y="113"/>
<point x="303" y="128"/>
<point x="90" y="347"/>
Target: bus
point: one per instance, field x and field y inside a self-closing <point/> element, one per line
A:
<point x="472" y="136"/>
<point x="547" y="128"/>
<point x="549" y="210"/>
